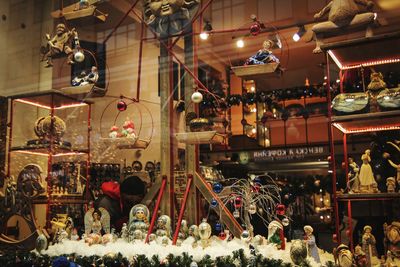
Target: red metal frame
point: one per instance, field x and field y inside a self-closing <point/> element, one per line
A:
<point x="156" y="207"/>
<point x="183" y="207"/>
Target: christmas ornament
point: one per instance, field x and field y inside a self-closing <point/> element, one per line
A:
<point x="217" y="188"/>
<point x="252" y="209"/>
<point x="257" y="180"/>
<point x="213" y="203"/>
<point x="238" y="202"/>
<point x="121" y="105"/>
<point x="285" y="221"/>
<point x="236" y="214"/>
<point x="193" y="264"/>
<point x="255" y="29"/>
<point x="218" y="227"/>
<point x="197" y="97"/>
<point x="204" y="233"/>
<point x="222" y="235"/>
<point x="79" y="56"/>
<point x="245" y="236"/>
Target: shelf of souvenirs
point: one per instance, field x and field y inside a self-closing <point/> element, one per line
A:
<point x="49" y="99"/>
<point x="365" y="52"/>
<point x="367" y="196"/>
<point x="45" y="150"/>
<point x="60" y="199"/>
<point x="368" y="122"/>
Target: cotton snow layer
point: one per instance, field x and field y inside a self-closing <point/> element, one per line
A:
<point x="216" y="249"/>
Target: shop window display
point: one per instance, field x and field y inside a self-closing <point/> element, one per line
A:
<point x="104" y="169"/>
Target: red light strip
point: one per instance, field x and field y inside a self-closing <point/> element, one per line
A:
<point x="365" y="130"/>
<point x="47" y="154"/>
<point x="365" y="64"/>
<point x="47" y="107"/>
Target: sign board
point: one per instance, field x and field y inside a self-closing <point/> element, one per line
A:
<point x="287" y="154"/>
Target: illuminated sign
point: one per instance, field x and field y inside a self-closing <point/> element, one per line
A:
<point x="289" y="153"/>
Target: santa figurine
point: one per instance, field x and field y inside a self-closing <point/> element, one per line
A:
<point x="129" y="129"/>
<point x="113" y="132"/>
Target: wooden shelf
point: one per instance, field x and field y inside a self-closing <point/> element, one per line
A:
<point x="44" y="149"/>
<point x="125" y="143"/>
<point x="367" y="197"/>
<point x="56" y="199"/>
<point x="196" y="138"/>
<point x="368" y="122"/>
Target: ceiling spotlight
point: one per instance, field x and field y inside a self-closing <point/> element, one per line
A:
<point x="299" y="33"/>
<point x="240" y="43"/>
<point x="206" y="30"/>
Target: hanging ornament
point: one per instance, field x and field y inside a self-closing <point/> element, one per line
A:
<point x="193" y="264"/>
<point x="252" y="209"/>
<point x="197" y="97"/>
<point x="285" y="221"/>
<point x="79" y="56"/>
<point x="217" y="188"/>
<point x="222" y="235"/>
<point x="257" y="180"/>
<point x="121" y="105"/>
<point x="245" y="236"/>
<point x="256" y="187"/>
<point x="218" y="226"/>
<point x="236" y="214"/>
<point x="204" y="230"/>
<point x="213" y="203"/>
<point x="238" y="202"/>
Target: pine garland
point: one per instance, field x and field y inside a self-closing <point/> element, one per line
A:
<point x="237" y="259"/>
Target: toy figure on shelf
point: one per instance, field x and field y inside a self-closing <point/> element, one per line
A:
<point x="360" y="257"/>
<point x="374" y="87"/>
<point x="183" y="231"/>
<point x="391" y="184"/>
<point x="10" y="193"/>
<point x="113" y="132"/>
<point x="205" y="233"/>
<point x="79" y="80"/>
<point x="110" y="237"/>
<point x="164" y="226"/>
<point x="343" y="15"/>
<point x="129" y="129"/>
<point x="74" y="235"/>
<point x="139" y="219"/>
<point x="41" y="240"/>
<point x="96" y="221"/>
<point x="392" y="240"/>
<point x="309" y="239"/>
<point x="353" y="176"/>
<point x="275" y="234"/>
<point x="93" y="75"/>
<point x="124" y="232"/>
<point x="343" y="256"/>
<point x="263" y="56"/>
<point x="58" y="44"/>
<point x="366" y="176"/>
<point x="194" y="232"/>
<point x="368" y="245"/>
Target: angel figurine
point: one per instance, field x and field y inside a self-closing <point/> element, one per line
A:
<point x="164" y="226"/>
<point x="353" y="176"/>
<point x="96" y="221"/>
<point x="366" y="176"/>
<point x="139" y="218"/>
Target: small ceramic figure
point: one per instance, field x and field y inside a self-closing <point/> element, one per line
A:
<point x="139" y="219"/>
<point x="275" y="234"/>
<point x="392" y="241"/>
<point x="113" y="132"/>
<point x="368" y="244"/>
<point x="124" y="232"/>
<point x="194" y="232"/>
<point x="360" y="257"/>
<point x="96" y="221"/>
<point x="128" y="129"/>
<point x="74" y="235"/>
<point x="263" y="55"/>
<point x="183" y="231"/>
<point x="309" y="239"/>
<point x="353" y="176"/>
<point x="366" y="176"/>
<point x="343" y="256"/>
<point x="164" y="226"/>
<point x="41" y="241"/>
<point x="93" y="76"/>
<point x="138" y="235"/>
<point x="205" y="233"/>
<point x="391" y="184"/>
<point x="80" y="79"/>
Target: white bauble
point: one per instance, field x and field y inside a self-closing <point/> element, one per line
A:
<point x="193" y="264"/>
<point x="252" y="209"/>
<point x="79" y="56"/>
<point x="197" y="97"/>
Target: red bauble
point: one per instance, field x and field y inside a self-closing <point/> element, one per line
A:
<point x="222" y="235"/>
<point x="334" y="238"/>
<point x="121" y="105"/>
<point x="238" y="202"/>
<point x="255" y="28"/>
<point x="348" y="233"/>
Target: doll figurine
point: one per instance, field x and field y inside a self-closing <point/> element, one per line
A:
<point x="368" y="244"/>
<point x="353" y="176"/>
<point x="391" y="184"/>
<point x="93" y="75"/>
<point x="309" y="239"/>
<point x="275" y="234"/>
<point x="360" y="257"/>
<point x="113" y="132"/>
<point x="366" y="176"/>
<point x="129" y="129"/>
<point x="124" y="232"/>
<point x="183" y="231"/>
<point x="74" y="235"/>
<point x="263" y="55"/>
<point x="343" y="256"/>
<point x="139" y="219"/>
<point x="96" y="221"/>
<point x="164" y="226"/>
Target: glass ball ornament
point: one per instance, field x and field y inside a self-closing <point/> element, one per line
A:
<point x="236" y="214"/>
<point x="245" y="236"/>
<point x="204" y="230"/>
<point x="255" y="29"/>
<point x="121" y="105"/>
<point x="197" y="97"/>
<point x="79" y="56"/>
<point x="257" y="180"/>
<point x="193" y="264"/>
<point x="222" y="235"/>
<point x="285" y="222"/>
<point x="218" y="227"/>
<point x="217" y="188"/>
<point x="213" y="203"/>
<point x="238" y="202"/>
<point x="252" y="209"/>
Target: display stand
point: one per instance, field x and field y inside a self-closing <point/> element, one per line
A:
<point x="357" y="54"/>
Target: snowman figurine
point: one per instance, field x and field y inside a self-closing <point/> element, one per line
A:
<point x="113" y="132"/>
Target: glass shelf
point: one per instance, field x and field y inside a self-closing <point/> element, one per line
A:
<point x="367" y="197"/>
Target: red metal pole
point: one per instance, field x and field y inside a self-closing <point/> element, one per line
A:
<point x="346" y="157"/>
<point x="49" y="165"/>
<point x="182" y="211"/>
<point x="120" y="22"/>
<point x="10" y="138"/>
<point x="154" y="216"/>
<point x="88" y="152"/>
<point x="350" y="230"/>
<point x="140" y="61"/>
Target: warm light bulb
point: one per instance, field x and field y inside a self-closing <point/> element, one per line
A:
<point x="253" y="130"/>
<point x="296" y="37"/>
<point x="204" y="35"/>
<point x="252" y="88"/>
<point x="240" y="43"/>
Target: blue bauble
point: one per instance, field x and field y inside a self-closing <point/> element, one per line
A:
<point x="213" y="203"/>
<point x="218" y="227"/>
<point x="257" y="180"/>
<point x="217" y="188"/>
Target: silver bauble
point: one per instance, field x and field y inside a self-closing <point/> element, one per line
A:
<point x="245" y="236"/>
<point x="197" y="97"/>
<point x="193" y="264"/>
<point x="285" y="222"/>
<point x="252" y="209"/>
<point x="204" y="230"/>
<point x="79" y="56"/>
